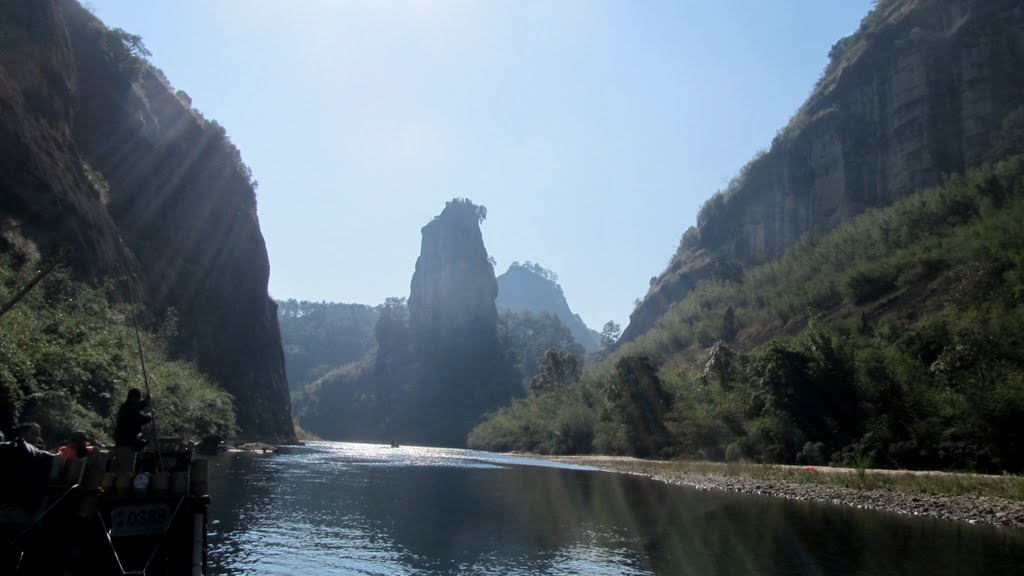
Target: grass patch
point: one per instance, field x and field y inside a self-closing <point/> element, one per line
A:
<point x="1008" y="486"/>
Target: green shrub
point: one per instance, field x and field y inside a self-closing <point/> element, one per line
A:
<point x="68" y="358"/>
<point x="911" y="356"/>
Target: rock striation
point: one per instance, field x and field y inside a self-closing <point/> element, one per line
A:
<point x="100" y="154"/>
<point x="46" y="200"/>
<point x="453" y="289"/>
<point x="920" y="90"/>
<point x="462" y="373"/>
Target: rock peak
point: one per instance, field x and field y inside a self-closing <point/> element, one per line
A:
<point x="453" y="288"/>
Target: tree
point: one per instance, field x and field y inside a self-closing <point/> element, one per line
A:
<point x="610" y="334"/>
<point x="638" y="404"/>
<point x="480" y="212"/>
<point x="558" y="369"/>
<point x="125" y="54"/>
<point x="392" y="321"/>
<point x="525" y="336"/>
<point x="538" y="270"/>
<point x="320" y="336"/>
<point x="132" y="42"/>
<point x="722" y="364"/>
<point x="729" y="327"/>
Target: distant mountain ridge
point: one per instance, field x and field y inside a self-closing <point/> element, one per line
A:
<point x="320" y="336"/>
<point x="533" y="288"/>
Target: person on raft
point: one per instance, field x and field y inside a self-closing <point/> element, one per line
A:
<point x="32" y="434"/>
<point x="130" y="420"/>
<point x="76" y="447"/>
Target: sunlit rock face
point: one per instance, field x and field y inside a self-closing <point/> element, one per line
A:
<point x="165" y="196"/>
<point x="461" y="373"/>
<point x="919" y="91"/>
<point x="453" y="289"/>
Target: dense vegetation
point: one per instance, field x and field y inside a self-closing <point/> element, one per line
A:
<point x="444" y="358"/>
<point x="100" y="155"/>
<point x="358" y="400"/>
<point x="372" y="398"/>
<point x="524" y="337"/>
<point x="893" y="341"/>
<point x="320" y="336"/>
<point x="68" y="358"/>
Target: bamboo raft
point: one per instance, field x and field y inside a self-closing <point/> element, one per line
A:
<point x="112" y="513"/>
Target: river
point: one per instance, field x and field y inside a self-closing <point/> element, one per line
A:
<point x="339" y="508"/>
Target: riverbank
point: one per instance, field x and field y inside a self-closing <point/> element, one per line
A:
<point x="974" y="498"/>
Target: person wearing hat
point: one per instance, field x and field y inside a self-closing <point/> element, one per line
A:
<point x="76" y="447"/>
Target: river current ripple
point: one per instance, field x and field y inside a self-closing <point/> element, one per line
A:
<point x="342" y="508"/>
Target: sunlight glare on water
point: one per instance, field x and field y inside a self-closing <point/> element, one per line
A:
<point x="343" y="508"/>
<point x="374" y="454"/>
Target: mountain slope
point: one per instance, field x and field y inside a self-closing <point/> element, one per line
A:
<point x="802" y="323"/>
<point x="320" y="336"/>
<point x="532" y="288"/>
<point x="918" y="91"/>
<point x="893" y="342"/>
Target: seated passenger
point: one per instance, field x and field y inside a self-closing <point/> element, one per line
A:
<point x="32" y="434"/>
<point x="76" y="447"/>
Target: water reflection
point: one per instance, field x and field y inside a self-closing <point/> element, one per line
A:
<point x="359" y="509"/>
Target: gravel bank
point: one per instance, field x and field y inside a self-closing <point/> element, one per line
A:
<point x="964" y="508"/>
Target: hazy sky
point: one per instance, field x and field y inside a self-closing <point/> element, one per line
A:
<point x="591" y="131"/>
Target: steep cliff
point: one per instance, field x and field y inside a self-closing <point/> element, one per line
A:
<point x="46" y="199"/>
<point x="453" y="287"/>
<point x="532" y="288"/>
<point x="100" y="154"/>
<point x="917" y="92"/>
<point x="438" y="366"/>
<point x="453" y="325"/>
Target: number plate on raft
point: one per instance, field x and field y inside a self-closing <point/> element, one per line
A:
<point x="139" y="520"/>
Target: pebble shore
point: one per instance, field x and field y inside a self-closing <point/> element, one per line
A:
<point x="965" y="508"/>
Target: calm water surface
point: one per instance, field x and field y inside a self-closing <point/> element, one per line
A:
<point x="334" y="508"/>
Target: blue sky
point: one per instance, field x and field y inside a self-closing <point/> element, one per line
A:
<point x="591" y="131"/>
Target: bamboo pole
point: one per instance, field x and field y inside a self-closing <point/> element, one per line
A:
<point x="64" y="253"/>
<point x="145" y="377"/>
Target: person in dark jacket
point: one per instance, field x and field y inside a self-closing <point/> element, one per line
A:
<point x="130" y="420"/>
<point x="32" y="433"/>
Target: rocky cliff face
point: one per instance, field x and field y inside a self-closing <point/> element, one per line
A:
<point x="919" y="91"/>
<point x="453" y="288"/>
<point x="460" y="370"/>
<point x="102" y="155"/>
<point x="438" y="366"/>
<point x="46" y="200"/>
<point x="532" y="288"/>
